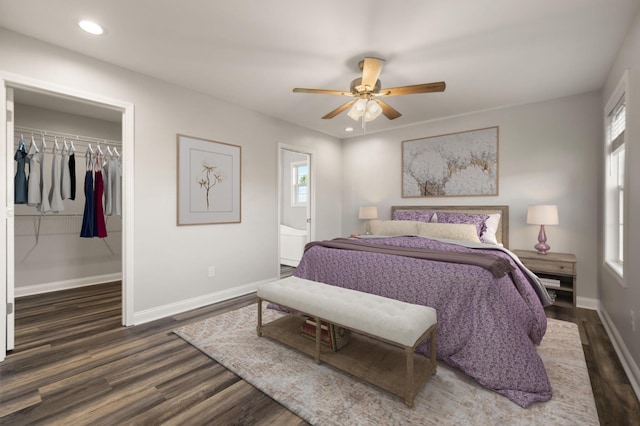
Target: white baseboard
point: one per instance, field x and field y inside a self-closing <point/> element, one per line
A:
<point x="627" y="361"/>
<point x="588" y="303"/>
<point x="196" y="302"/>
<point x="30" y="290"/>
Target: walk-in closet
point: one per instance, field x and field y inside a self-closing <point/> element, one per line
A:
<point x="67" y="194"/>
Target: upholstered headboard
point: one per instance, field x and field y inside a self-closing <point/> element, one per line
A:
<point x="502" y="234"/>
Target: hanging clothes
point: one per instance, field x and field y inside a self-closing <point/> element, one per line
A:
<point x="20" y="180"/>
<point x="100" y="229"/>
<point x="65" y="183"/>
<point x="44" y="184"/>
<point x="88" y="218"/>
<point x="106" y="170"/>
<point x="115" y="180"/>
<point x="34" y="194"/>
<point x="55" y="199"/>
<point x="72" y="176"/>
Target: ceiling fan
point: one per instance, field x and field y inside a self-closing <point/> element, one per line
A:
<point x="367" y="91"/>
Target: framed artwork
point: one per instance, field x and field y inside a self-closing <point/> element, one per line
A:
<point x="451" y="165"/>
<point x="209" y="181"/>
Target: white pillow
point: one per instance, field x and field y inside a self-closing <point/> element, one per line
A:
<point x="449" y="231"/>
<point x="394" y="227"/>
<point x="491" y="227"/>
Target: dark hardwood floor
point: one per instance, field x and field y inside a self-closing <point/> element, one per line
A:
<point x="74" y="364"/>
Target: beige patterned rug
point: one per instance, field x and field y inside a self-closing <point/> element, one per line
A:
<point x="324" y="396"/>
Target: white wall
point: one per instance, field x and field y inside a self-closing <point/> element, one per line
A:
<point x="171" y="262"/>
<point x="620" y="299"/>
<point x="48" y="248"/>
<point x="548" y="153"/>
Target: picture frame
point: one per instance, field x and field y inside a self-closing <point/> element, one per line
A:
<point x="209" y="181"/>
<point x="451" y="165"/>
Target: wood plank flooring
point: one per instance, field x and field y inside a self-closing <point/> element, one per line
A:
<point x="75" y="364"/>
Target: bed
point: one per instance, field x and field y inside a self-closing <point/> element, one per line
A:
<point x="489" y="323"/>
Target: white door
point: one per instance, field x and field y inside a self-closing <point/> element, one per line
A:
<point x="8" y="328"/>
<point x="296" y="203"/>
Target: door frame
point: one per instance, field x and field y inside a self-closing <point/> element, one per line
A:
<point x="311" y="225"/>
<point x="15" y="81"/>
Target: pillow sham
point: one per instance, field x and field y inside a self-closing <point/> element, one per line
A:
<point x="449" y="231"/>
<point x="469" y="218"/>
<point x="416" y="215"/>
<point x="394" y="227"/>
<point x="491" y="228"/>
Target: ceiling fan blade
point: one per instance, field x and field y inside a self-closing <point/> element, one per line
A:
<point x="418" y="88"/>
<point x="339" y="109"/>
<point x="322" y="91"/>
<point x="371" y="69"/>
<point x="387" y="110"/>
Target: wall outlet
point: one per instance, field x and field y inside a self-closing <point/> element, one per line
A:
<point x="633" y="320"/>
<point x="212" y="271"/>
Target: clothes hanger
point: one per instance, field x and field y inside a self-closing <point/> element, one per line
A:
<point x="115" y="150"/>
<point x="44" y="144"/>
<point x="33" y="143"/>
<point x="56" y="146"/>
<point x="73" y="147"/>
<point x="66" y="146"/>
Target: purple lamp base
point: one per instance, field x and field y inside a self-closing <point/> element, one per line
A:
<point x="542" y="245"/>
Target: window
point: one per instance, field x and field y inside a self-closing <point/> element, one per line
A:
<point x="614" y="180"/>
<point x="300" y="183"/>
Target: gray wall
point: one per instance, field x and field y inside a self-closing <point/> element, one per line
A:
<point x="549" y="153"/>
<point x="171" y="262"/>
<point x="620" y="298"/>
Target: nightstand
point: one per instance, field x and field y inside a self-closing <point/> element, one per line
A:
<point x="560" y="271"/>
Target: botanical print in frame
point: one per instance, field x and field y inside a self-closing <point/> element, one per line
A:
<point x="451" y="165"/>
<point x="209" y="181"/>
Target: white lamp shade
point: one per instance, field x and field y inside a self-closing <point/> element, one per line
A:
<point x="542" y="215"/>
<point x="358" y="109"/>
<point x="368" y="212"/>
<point x="372" y="111"/>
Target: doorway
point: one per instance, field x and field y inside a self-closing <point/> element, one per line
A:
<point x="296" y="201"/>
<point x="63" y="98"/>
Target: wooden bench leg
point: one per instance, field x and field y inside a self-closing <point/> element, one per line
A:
<point x="408" y="389"/>
<point x="318" y="339"/>
<point x="259" y="328"/>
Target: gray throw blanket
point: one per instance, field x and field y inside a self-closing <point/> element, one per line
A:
<point x="494" y="264"/>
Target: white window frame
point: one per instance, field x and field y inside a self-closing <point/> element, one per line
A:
<point x="295" y="185"/>
<point x="614" y="179"/>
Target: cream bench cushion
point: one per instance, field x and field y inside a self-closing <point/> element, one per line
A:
<point x="395" y="321"/>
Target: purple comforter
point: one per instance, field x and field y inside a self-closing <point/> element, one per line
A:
<point x="487" y="327"/>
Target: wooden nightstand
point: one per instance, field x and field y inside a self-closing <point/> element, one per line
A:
<point x="555" y="266"/>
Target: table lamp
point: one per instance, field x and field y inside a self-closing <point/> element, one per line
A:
<point x="542" y="215"/>
<point x="368" y="213"/>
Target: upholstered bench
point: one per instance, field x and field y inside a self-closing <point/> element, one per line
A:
<point x="387" y="329"/>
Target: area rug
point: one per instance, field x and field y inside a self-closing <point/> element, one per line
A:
<point x="324" y="396"/>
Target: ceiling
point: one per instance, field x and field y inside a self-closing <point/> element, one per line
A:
<point x="252" y="53"/>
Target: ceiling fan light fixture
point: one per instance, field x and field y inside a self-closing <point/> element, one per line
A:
<point x="372" y="111"/>
<point x="358" y="109"/>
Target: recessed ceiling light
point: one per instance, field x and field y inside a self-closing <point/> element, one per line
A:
<point x="348" y="129"/>
<point x="91" y="27"/>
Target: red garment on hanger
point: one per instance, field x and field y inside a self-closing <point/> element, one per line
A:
<point x="100" y="229"/>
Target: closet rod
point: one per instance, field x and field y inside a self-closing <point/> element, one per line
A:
<point x="27" y="131"/>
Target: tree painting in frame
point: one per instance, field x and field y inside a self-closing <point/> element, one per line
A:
<point x="451" y="165"/>
<point x="209" y="181"/>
